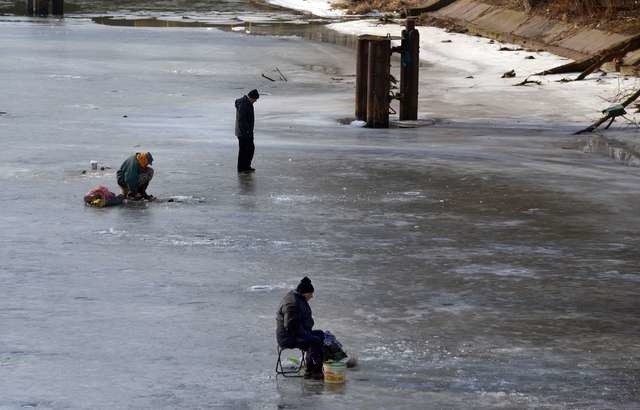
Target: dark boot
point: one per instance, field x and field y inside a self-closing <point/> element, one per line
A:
<point x="318" y="375"/>
<point x="313" y="371"/>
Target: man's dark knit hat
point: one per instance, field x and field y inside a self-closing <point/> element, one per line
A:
<point x="305" y="286"/>
<point x="254" y="94"/>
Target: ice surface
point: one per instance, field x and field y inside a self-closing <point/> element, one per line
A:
<point x="408" y="234"/>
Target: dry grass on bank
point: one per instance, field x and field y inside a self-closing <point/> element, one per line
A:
<point x="614" y="15"/>
<point x="366" y="6"/>
<point x="621" y="16"/>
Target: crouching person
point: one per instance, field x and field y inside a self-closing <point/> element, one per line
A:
<point x="135" y="174"/>
<point x="295" y="328"/>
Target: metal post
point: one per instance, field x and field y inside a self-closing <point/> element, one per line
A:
<point x="57" y="8"/>
<point x="409" y="71"/>
<point x="362" y="70"/>
<point x="378" y="83"/>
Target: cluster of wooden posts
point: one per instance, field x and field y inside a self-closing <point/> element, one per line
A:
<point x="44" y="8"/>
<point x="373" y="77"/>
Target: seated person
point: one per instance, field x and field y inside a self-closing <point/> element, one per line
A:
<point x="135" y="174"/>
<point x="295" y="328"/>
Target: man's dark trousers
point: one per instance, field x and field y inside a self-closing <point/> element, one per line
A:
<point x="312" y="344"/>
<point x="245" y="153"/>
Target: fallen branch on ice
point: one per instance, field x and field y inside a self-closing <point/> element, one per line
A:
<point x="573" y="67"/>
<point x="282" y="77"/>
<point x="527" y="81"/>
<point x="617" y="51"/>
<point x="590" y="64"/>
<point x="612" y="112"/>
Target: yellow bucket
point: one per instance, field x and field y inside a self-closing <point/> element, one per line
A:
<point x="334" y="372"/>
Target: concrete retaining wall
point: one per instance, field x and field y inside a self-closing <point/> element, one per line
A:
<point x="534" y="32"/>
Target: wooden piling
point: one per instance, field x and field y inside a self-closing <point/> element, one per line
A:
<point x="409" y="71"/>
<point x="57" y="7"/>
<point x="378" y="83"/>
<point x="362" y="71"/>
<point x="28" y="7"/>
<point x="41" y="8"/>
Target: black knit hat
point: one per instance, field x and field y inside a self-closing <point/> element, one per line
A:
<point x="254" y="94"/>
<point x="305" y="286"/>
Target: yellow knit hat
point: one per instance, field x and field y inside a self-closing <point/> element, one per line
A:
<point x="143" y="159"/>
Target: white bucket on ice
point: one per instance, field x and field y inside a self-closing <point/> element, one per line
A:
<point x="334" y="372"/>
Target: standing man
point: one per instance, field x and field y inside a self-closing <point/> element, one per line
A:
<point x="135" y="174"/>
<point x="294" y="328"/>
<point x="244" y="130"/>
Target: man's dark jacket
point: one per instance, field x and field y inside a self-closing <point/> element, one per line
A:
<point x="244" y="118"/>
<point x="294" y="319"/>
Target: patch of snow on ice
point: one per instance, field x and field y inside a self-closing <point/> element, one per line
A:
<point x="189" y="199"/>
<point x="294" y="198"/>
<point x="112" y="231"/>
<point x="65" y="77"/>
<point x="268" y="287"/>
<point x="321" y="8"/>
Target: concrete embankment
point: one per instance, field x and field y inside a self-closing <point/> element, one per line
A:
<point x="531" y="31"/>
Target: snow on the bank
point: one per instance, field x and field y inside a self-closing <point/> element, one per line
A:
<point x="321" y="8"/>
<point x="471" y="54"/>
<point x="478" y="62"/>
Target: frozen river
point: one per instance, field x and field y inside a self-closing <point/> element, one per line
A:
<point x="468" y="264"/>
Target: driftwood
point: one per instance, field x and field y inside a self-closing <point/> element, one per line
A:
<point x="590" y="64"/>
<point x="573" y="67"/>
<point x="617" y="51"/>
<point x="527" y="81"/>
<point x="607" y="117"/>
<point x="281" y="75"/>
